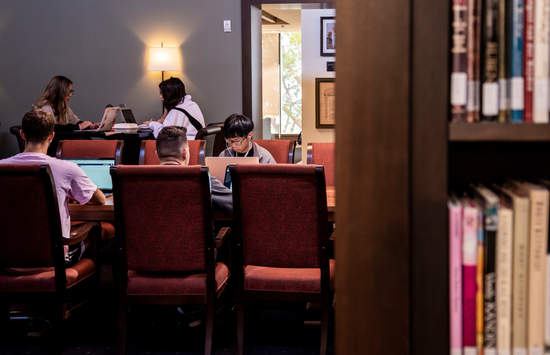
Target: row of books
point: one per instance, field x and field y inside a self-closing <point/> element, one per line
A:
<point x="500" y="60"/>
<point x="499" y="266"/>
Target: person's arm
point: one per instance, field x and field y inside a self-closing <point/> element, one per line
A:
<point x="98" y="198"/>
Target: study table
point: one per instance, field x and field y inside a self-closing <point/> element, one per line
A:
<point x="107" y="212"/>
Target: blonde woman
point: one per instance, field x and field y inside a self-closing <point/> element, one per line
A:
<point x="55" y="99"/>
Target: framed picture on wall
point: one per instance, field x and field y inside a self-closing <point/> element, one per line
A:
<point x="325" y="102"/>
<point x="328" y="37"/>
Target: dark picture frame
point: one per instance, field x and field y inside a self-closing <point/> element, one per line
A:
<point x="325" y="114"/>
<point x="328" y="36"/>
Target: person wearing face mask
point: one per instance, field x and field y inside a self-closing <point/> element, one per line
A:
<point x="179" y="109"/>
<point x="55" y="99"/>
<point x="238" y="130"/>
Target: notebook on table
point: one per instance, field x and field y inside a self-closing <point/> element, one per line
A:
<point x="218" y="165"/>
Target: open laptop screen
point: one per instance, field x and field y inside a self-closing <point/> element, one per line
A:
<point x="97" y="170"/>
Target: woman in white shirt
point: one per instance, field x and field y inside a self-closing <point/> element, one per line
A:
<point x="179" y="109"/>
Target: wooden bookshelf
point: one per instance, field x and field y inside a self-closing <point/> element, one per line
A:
<point x="498" y="132"/>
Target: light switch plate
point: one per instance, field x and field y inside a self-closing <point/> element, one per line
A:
<point x="226" y="25"/>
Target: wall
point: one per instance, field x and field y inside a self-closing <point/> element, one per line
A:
<point x="313" y="66"/>
<point x="102" y="46"/>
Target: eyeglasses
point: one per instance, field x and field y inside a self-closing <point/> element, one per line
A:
<point x="235" y="141"/>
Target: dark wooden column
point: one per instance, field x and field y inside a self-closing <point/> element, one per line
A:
<point x="373" y="176"/>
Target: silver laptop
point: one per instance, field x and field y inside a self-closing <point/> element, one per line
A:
<point x="218" y="165"/>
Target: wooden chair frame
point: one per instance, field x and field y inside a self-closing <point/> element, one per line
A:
<point x="126" y="300"/>
<point x="62" y="294"/>
<point x="118" y="151"/>
<point x="242" y="297"/>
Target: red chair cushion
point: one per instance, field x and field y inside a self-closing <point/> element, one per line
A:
<point x="43" y="280"/>
<point x="295" y="280"/>
<point x="159" y="284"/>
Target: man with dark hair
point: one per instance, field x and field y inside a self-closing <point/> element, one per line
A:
<point x="172" y="149"/>
<point x="70" y="181"/>
<point x="238" y="130"/>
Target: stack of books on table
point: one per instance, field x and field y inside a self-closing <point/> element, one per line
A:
<point x="498" y="264"/>
<point x="500" y="60"/>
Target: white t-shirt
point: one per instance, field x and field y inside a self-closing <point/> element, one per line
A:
<point x="178" y="118"/>
<point x="70" y="182"/>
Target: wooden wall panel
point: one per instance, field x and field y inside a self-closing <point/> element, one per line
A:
<point x="372" y="176"/>
<point x="429" y="115"/>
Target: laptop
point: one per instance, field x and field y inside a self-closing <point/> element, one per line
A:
<point x="218" y="165"/>
<point x="98" y="171"/>
<point x="128" y="115"/>
<point x="108" y="120"/>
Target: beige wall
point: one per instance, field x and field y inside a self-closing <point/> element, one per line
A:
<point x="313" y="66"/>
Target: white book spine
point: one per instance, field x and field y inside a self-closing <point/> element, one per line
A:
<point x="541" y="63"/>
<point x="537" y="270"/>
<point x="504" y="250"/>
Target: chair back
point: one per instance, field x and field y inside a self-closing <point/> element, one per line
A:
<point x="279" y="214"/>
<point x="213" y="133"/>
<point x="90" y="149"/>
<point x="163" y="217"/>
<point x="148" y="152"/>
<point x="322" y="154"/>
<point x="282" y="150"/>
<point x="31" y="230"/>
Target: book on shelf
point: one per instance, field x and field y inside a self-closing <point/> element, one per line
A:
<point x="520" y="206"/>
<point x="489" y="61"/>
<point x="546" y="183"/>
<point x="515" y="59"/>
<point x="540" y="61"/>
<point x="489" y="203"/>
<point x="459" y="77"/>
<point x="469" y="262"/>
<point x="503" y="105"/>
<point x="455" y="278"/>
<point x="528" y="55"/>
<point x="473" y="41"/>
<point x="479" y="282"/>
<point x="504" y="254"/>
<point x="500" y="61"/>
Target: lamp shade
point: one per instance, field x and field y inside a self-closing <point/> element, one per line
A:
<point x="163" y="58"/>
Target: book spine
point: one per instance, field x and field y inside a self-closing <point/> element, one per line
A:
<point x="489" y="278"/>
<point x="455" y="279"/>
<point x="520" y="275"/>
<point x="479" y="283"/>
<point x="528" y="54"/>
<point x="504" y="281"/>
<point x="515" y="62"/>
<point x="489" y="71"/>
<point x="472" y="106"/>
<point x="469" y="249"/>
<point x="538" y="237"/>
<point x="477" y="59"/>
<point x="541" y="65"/>
<point x="459" y="78"/>
<point x="503" y="109"/>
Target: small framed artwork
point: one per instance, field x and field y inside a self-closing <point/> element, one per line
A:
<point x="325" y="103"/>
<point x="328" y="37"/>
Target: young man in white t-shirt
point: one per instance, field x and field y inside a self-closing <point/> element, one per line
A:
<point x="70" y="181"/>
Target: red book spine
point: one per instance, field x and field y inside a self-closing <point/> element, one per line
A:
<point x="528" y="59"/>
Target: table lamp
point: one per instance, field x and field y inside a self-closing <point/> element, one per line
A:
<point x="163" y="59"/>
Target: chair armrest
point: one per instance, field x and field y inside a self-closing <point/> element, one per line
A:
<point x="223" y="234"/>
<point x="79" y="233"/>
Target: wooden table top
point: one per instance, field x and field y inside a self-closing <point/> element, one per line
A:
<point x="107" y="212"/>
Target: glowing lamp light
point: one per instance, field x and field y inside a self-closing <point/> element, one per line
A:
<point x="163" y="59"/>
